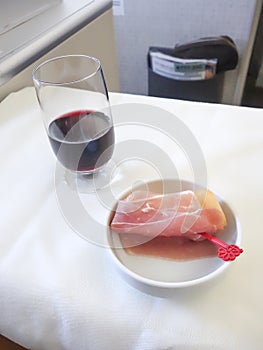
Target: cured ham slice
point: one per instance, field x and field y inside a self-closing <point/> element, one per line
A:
<point x="181" y="214"/>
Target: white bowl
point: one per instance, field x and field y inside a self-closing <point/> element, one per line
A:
<point x="159" y="275"/>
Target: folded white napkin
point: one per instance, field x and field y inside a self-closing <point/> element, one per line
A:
<point x="59" y="291"/>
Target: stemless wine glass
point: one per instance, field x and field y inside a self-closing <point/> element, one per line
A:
<point x="73" y="98"/>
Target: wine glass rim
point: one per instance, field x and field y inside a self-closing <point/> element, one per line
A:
<point x="46" y="82"/>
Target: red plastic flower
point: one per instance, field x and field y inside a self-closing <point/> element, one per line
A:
<point x="229" y="253"/>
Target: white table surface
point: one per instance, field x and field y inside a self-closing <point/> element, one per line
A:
<point x="58" y="291"/>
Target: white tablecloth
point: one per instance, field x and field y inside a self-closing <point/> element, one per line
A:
<point x="58" y="291"/>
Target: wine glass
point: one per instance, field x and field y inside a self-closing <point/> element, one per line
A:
<point x="73" y="98"/>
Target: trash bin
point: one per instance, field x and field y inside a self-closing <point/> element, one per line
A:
<point x="192" y="71"/>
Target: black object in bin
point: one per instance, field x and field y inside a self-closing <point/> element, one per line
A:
<point x="193" y="71"/>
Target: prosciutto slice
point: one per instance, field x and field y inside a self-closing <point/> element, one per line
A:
<point x="185" y="213"/>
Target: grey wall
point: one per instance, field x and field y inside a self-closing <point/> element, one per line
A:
<point x="167" y="22"/>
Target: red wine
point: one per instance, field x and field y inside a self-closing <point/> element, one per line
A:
<point x="82" y="140"/>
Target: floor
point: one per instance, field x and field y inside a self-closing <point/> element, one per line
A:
<point x="6" y="344"/>
<point x="253" y="96"/>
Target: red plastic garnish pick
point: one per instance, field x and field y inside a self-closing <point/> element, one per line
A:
<point x="227" y="252"/>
